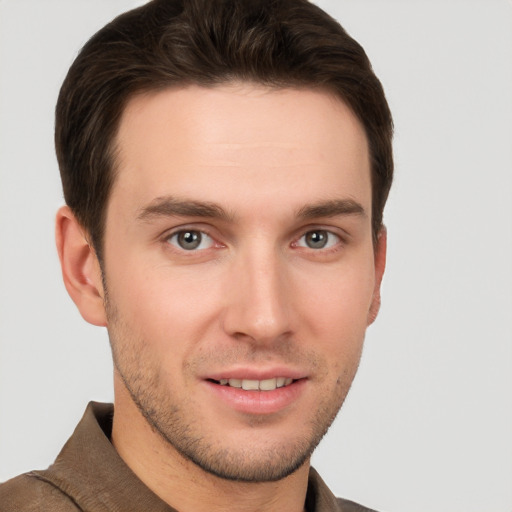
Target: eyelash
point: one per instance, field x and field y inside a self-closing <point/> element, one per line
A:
<point x="332" y="245"/>
<point x="184" y="232"/>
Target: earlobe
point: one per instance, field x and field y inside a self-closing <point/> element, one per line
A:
<point x="380" y="265"/>
<point x="80" y="268"/>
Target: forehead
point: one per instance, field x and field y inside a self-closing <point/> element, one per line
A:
<point x="240" y="140"/>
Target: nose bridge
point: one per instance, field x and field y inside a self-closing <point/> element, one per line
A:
<point x="258" y="307"/>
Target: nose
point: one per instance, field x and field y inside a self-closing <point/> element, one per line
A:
<point x="259" y="303"/>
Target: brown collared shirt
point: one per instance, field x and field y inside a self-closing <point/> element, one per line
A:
<point x="89" y="476"/>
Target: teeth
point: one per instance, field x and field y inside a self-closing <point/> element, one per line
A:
<point x="235" y="383"/>
<point x="250" y="385"/>
<point x="268" y="384"/>
<point x="255" y="385"/>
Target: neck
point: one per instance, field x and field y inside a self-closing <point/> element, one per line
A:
<point x="185" y="486"/>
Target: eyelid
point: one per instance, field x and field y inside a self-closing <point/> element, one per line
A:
<point x="205" y="239"/>
<point x="338" y="231"/>
<point x="330" y="244"/>
<point x="205" y="230"/>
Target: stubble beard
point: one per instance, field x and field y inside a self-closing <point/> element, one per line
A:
<point x="167" y="416"/>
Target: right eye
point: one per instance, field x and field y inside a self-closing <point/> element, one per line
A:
<point x="318" y="239"/>
<point x="190" y="240"/>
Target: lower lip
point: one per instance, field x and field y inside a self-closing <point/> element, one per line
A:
<point x="258" y="402"/>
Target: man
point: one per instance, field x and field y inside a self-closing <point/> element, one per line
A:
<point x="225" y="167"/>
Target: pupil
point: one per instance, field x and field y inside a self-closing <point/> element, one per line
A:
<point x="316" y="239"/>
<point x="189" y="239"/>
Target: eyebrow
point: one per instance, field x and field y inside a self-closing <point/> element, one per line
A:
<point x="169" y="206"/>
<point x="331" y="208"/>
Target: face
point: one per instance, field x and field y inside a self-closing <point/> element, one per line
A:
<point x="239" y="270"/>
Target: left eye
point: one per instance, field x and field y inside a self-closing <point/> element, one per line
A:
<point x="191" y="240"/>
<point x="318" y="239"/>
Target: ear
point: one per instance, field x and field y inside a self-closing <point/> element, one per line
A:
<point x="380" y="265"/>
<point x="80" y="268"/>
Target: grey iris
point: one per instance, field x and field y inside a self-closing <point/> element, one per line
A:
<point x="316" y="239"/>
<point x="189" y="240"/>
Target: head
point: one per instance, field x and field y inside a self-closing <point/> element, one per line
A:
<point x="173" y="43"/>
<point x="226" y="165"/>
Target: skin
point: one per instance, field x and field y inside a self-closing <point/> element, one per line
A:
<point x="259" y="174"/>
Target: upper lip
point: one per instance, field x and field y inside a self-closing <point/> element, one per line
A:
<point x="247" y="373"/>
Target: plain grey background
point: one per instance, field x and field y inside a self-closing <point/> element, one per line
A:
<point x="428" y="424"/>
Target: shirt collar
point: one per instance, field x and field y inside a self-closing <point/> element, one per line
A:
<point x="93" y="475"/>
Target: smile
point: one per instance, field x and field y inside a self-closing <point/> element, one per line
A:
<point x="257" y="385"/>
<point x="257" y="396"/>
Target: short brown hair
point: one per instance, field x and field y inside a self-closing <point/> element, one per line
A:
<point x="167" y="43"/>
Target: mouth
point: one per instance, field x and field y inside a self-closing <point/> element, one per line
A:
<point x="264" y="396"/>
<point x="255" y="385"/>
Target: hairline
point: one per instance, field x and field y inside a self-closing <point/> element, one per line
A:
<point x="115" y="149"/>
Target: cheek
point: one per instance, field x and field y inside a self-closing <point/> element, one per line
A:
<point x="163" y="307"/>
<point x="339" y="299"/>
<point x="336" y="309"/>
